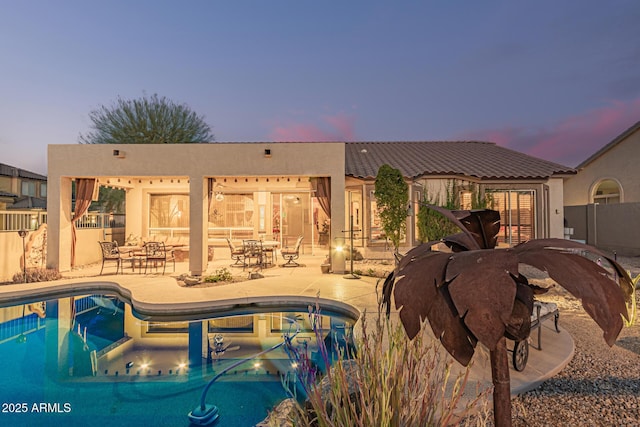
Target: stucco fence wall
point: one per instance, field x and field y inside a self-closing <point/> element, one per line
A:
<point x="88" y="250"/>
<point x="10" y="255"/>
<point x="613" y="228"/>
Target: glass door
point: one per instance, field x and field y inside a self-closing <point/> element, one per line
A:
<point x="292" y="217"/>
<point x="517" y="215"/>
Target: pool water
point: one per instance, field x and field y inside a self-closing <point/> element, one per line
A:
<point x="91" y="360"/>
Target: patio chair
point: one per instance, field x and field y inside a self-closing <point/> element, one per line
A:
<point x="157" y="253"/>
<point x="111" y="253"/>
<point x="252" y="249"/>
<point x="292" y="254"/>
<point x="237" y="254"/>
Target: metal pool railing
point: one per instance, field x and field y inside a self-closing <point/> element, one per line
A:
<point x="205" y="414"/>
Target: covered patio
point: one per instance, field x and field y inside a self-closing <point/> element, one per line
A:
<point x="196" y="196"/>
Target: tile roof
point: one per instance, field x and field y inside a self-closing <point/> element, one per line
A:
<point x="6" y="194"/>
<point x="29" y="202"/>
<point x="483" y="160"/>
<point x="6" y="170"/>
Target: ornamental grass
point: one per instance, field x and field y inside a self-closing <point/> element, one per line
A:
<point x="378" y="377"/>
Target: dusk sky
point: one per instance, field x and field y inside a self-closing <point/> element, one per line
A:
<point x="556" y="79"/>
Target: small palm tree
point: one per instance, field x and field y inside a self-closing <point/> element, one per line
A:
<point x="477" y="294"/>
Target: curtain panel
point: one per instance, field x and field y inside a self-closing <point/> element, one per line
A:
<point x="84" y="195"/>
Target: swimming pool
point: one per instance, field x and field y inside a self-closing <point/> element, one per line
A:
<point x="91" y="359"/>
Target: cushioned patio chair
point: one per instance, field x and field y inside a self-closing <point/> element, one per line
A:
<point x="292" y="254"/>
<point x="237" y="254"/>
<point x="157" y="253"/>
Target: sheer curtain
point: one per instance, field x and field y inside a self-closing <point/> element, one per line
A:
<point x="84" y="194"/>
<point x="322" y="187"/>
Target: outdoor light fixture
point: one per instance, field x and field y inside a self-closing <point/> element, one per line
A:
<point x="267" y="153"/>
<point x="118" y="154"/>
<point x="24" y="233"/>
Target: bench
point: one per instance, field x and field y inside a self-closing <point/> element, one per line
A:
<point x="541" y="312"/>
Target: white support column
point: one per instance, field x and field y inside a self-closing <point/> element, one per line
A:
<point x="135" y="206"/>
<point x="59" y="223"/>
<point x="337" y="223"/>
<point x="198" y="234"/>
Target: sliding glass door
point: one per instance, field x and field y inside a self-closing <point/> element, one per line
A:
<point x="517" y="215"/>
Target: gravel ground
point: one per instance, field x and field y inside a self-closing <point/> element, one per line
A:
<point x="600" y="386"/>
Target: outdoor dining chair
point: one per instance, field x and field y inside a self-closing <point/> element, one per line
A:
<point x="237" y="254"/>
<point x="111" y="253"/>
<point x="252" y="250"/>
<point x="157" y="253"/>
<point x="292" y="254"/>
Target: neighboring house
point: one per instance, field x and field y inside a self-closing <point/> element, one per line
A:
<point x="611" y="175"/>
<point x="602" y="201"/>
<point x="6" y="199"/>
<point x="206" y="193"/>
<point x="18" y="184"/>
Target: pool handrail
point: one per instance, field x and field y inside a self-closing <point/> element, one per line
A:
<point x="202" y="415"/>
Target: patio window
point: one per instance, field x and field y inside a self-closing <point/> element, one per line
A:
<point x="232" y="210"/>
<point x="517" y="215"/>
<point x="231" y="215"/>
<point x="168" y="214"/>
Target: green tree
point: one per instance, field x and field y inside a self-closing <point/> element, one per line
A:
<point x="392" y="198"/>
<point x="147" y="120"/>
<point x="432" y="225"/>
<point x="110" y="200"/>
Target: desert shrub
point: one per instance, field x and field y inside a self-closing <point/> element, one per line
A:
<point x="37" y="275"/>
<point x="353" y="252"/>
<point x="220" y="275"/>
<point x="388" y="380"/>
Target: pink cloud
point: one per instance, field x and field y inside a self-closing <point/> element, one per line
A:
<point x="332" y="128"/>
<point x="571" y="140"/>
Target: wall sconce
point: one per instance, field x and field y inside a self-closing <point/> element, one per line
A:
<point x="118" y="154"/>
<point x="267" y="153"/>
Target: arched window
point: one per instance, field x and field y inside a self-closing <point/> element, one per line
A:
<point x="607" y="191"/>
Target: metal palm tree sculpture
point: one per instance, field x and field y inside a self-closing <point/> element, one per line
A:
<point x="477" y="294"/>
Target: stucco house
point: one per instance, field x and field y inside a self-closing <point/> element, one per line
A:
<point x="206" y="193"/>
<point x="610" y="175"/>
<point x="21" y="189"/>
<point x="602" y="200"/>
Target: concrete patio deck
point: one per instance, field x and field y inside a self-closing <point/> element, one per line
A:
<point x="155" y="294"/>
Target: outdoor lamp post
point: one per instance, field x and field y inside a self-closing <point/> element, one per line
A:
<point x="23" y="233"/>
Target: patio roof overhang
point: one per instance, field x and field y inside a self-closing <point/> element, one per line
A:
<point x="142" y="168"/>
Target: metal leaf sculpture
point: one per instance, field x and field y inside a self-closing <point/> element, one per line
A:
<point x="477" y="294"/>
